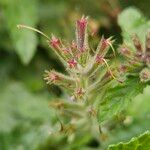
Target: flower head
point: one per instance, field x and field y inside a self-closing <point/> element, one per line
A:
<point x="148" y="43"/>
<point x="72" y="63"/>
<point x="51" y="77"/>
<point x="54" y="42"/>
<point x="82" y="23"/>
<point x="105" y="43"/>
<point x="103" y="46"/>
<point x="81" y="34"/>
<point x="145" y="75"/>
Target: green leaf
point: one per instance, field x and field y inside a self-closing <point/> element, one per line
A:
<point x="18" y="106"/>
<point x="117" y="99"/>
<point x="136" y="120"/>
<point x="24" y="41"/>
<point x="141" y="142"/>
<point x="132" y="21"/>
<point x="141" y="102"/>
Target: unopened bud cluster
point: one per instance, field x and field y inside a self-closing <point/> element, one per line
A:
<point x="140" y="57"/>
<point x="87" y="72"/>
<point x="83" y="66"/>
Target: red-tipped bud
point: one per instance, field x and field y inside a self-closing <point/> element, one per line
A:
<point x="66" y="50"/>
<point x="122" y="69"/>
<point x="79" y="92"/>
<point x="145" y="75"/>
<point x="73" y="45"/>
<point x="81" y="34"/>
<point x="105" y="44"/>
<point x="72" y="63"/>
<point x="54" y="42"/>
<point x="82" y="23"/>
<point x="125" y="51"/>
<point x="99" y="59"/>
<point x="147" y="49"/>
<point x="137" y="43"/>
<point x="148" y="44"/>
<point x="51" y="77"/>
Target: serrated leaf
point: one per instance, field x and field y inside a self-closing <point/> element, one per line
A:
<point x="117" y="99"/>
<point x="137" y="143"/>
<point x="132" y="21"/>
<point x="22" y="12"/>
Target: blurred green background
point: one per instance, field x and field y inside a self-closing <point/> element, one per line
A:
<point x="26" y="120"/>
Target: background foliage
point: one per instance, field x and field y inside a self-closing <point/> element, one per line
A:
<point x="26" y="121"/>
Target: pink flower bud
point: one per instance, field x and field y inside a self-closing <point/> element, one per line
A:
<point x="145" y="75"/>
<point x="82" y="23"/>
<point x="81" y="33"/>
<point x="99" y="59"/>
<point x="51" y="77"/>
<point x="66" y="50"/>
<point x="125" y="51"/>
<point x="72" y="63"/>
<point x="122" y="69"/>
<point x="54" y="42"/>
<point x="105" y="44"/>
<point x="147" y="51"/>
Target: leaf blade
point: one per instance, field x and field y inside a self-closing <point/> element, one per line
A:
<point x="117" y="98"/>
<point x="132" y="21"/>
<point x="141" y="142"/>
<point x="24" y="42"/>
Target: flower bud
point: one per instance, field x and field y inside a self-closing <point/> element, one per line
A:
<point x="99" y="59"/>
<point x="79" y="93"/>
<point x="148" y="42"/>
<point x="72" y="63"/>
<point x="148" y="61"/>
<point x="51" y="77"/>
<point x="123" y="69"/>
<point x="145" y="75"/>
<point x="54" y="42"/>
<point x="81" y="35"/>
<point x="66" y="50"/>
<point x="125" y="52"/>
<point x="137" y="43"/>
<point x="103" y="46"/>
